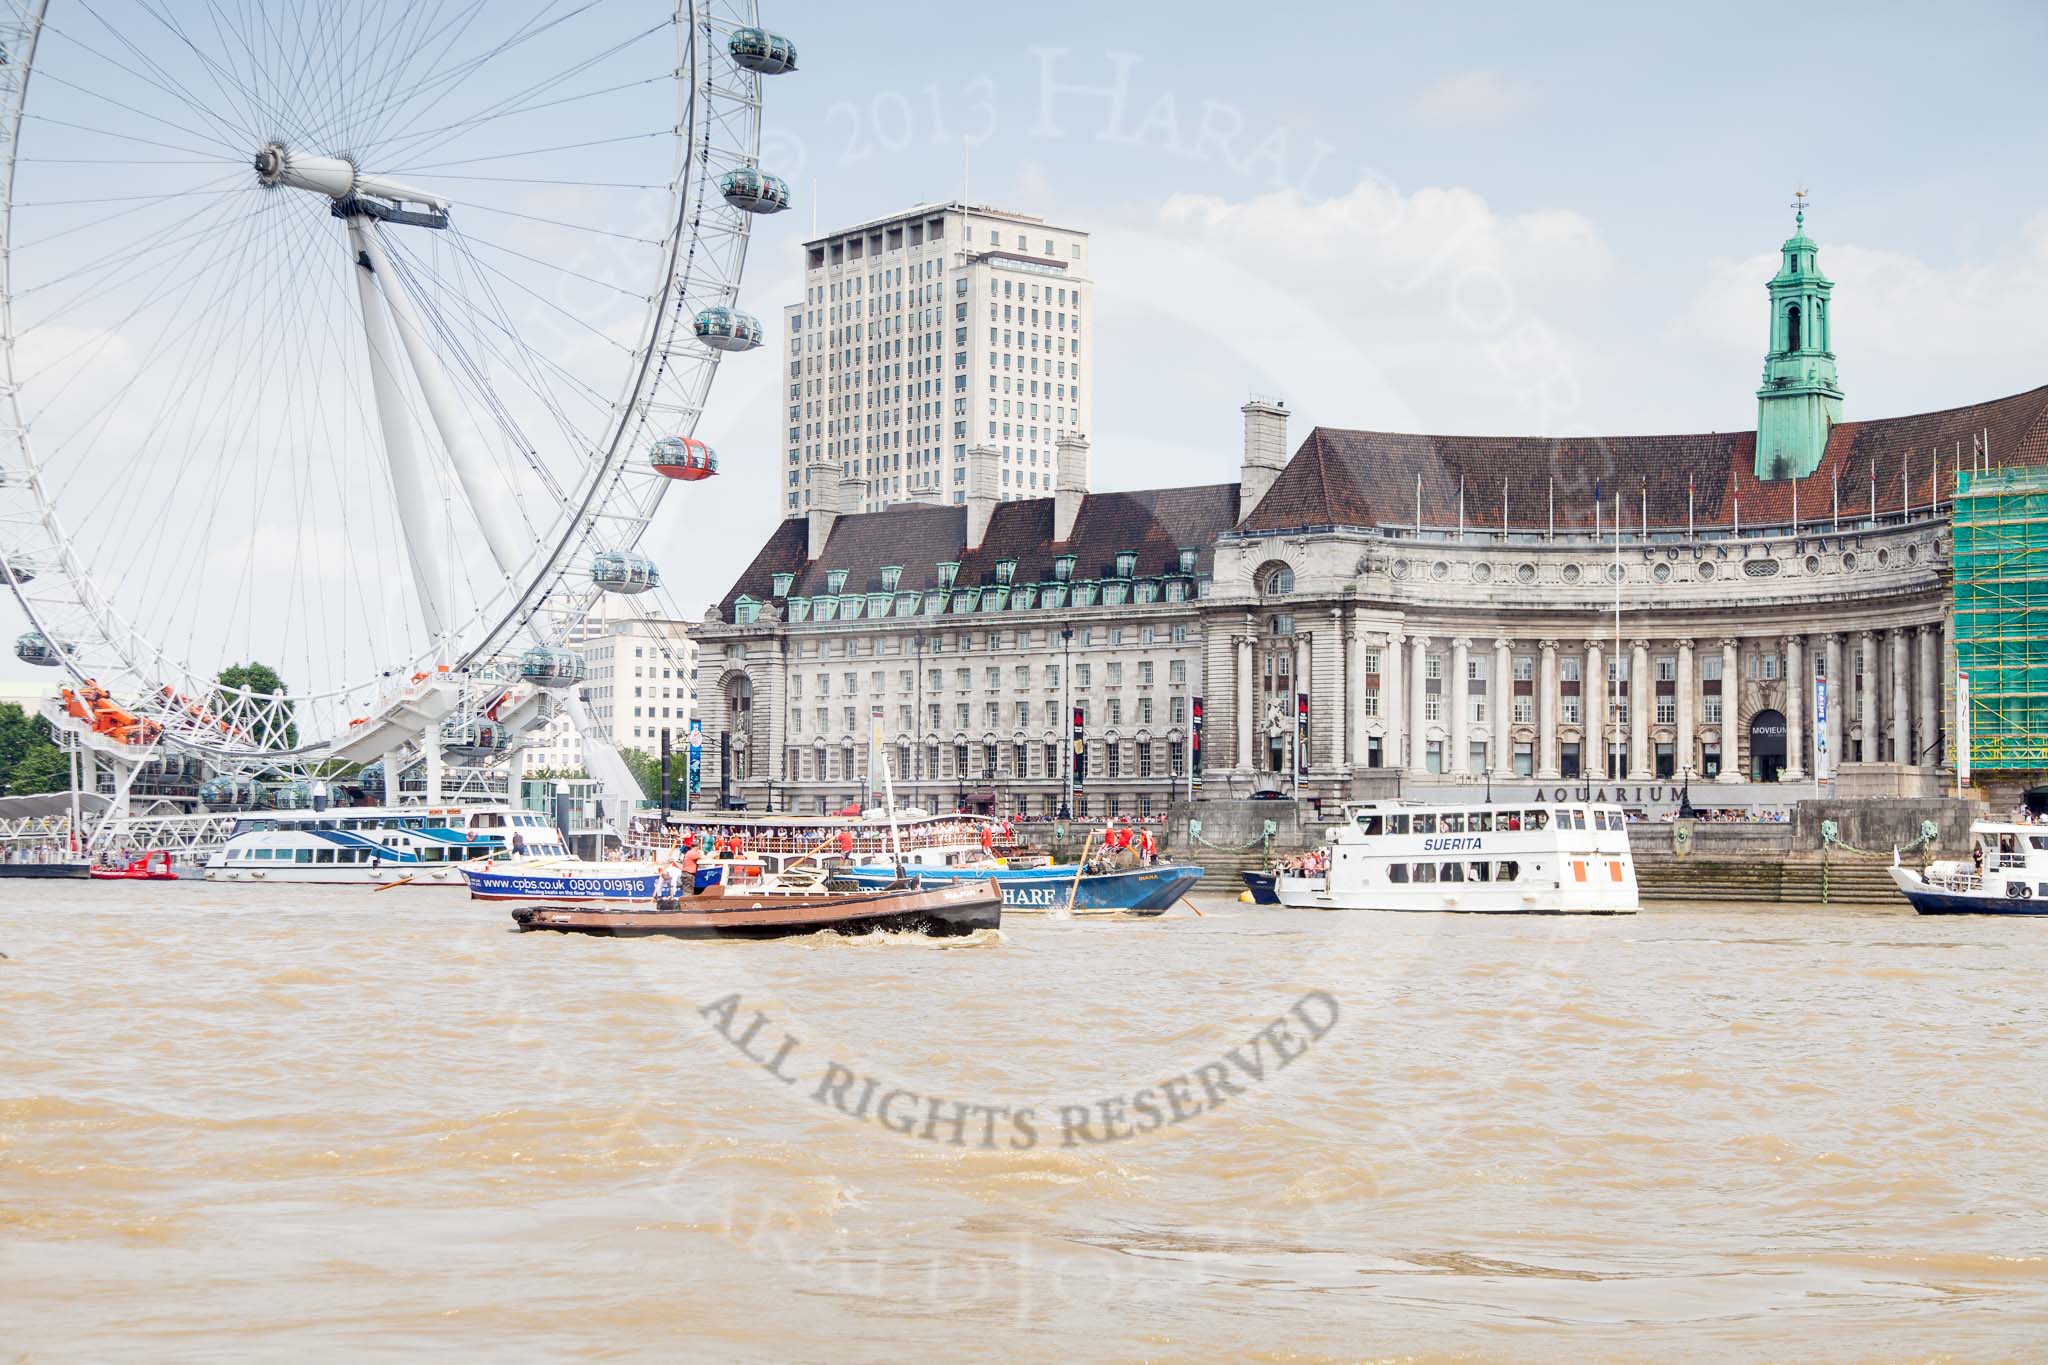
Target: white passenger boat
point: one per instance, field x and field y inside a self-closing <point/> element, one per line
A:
<point x="1562" y="859"/>
<point x="379" y="845"/>
<point x="921" y="838"/>
<point x="2007" y="874"/>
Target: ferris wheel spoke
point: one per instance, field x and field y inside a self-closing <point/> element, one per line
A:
<point x="425" y="141"/>
<point x="445" y="82"/>
<point x="512" y="357"/>
<point x="230" y="128"/>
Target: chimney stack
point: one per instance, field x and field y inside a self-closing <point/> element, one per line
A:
<point x="1265" y="451"/>
<point x="982" y="474"/>
<point x="824" y="508"/>
<point x="1070" y="487"/>
<point x="853" y="491"/>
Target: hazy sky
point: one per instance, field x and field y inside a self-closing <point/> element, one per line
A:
<point x="1473" y="218"/>
<point x="1495" y="218"/>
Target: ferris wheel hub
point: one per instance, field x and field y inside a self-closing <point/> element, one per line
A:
<point x="335" y="177"/>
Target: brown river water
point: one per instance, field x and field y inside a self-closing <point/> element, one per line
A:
<point x="242" y="1122"/>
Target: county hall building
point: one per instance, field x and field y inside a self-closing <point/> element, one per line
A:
<point x="1741" y="614"/>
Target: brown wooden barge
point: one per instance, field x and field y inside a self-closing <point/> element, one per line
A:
<point x="726" y="912"/>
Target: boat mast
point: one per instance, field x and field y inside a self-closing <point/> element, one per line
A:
<point x="889" y="798"/>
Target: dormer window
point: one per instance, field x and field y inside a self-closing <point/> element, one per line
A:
<point x="1187" y="561"/>
<point x="1063" y="569"/>
<point x="1126" y="564"/>
<point x="948" y="571"/>
<point x="892" y="574"/>
<point x="782" y="583"/>
<point x="745" y="611"/>
<point x="835" y="582"/>
<point x="1006" y="571"/>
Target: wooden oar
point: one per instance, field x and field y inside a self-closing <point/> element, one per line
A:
<point x="1192" y="906"/>
<point x="400" y="882"/>
<point x="1080" y="866"/>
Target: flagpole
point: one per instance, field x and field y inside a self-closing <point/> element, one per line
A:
<point x="1614" y="668"/>
<point x="1553" y="507"/>
<point x="1837" y="522"/>
<point x="1461" y="507"/>
<point x="1690" y="480"/>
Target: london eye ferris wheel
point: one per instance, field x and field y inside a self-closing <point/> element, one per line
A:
<point x="360" y="338"/>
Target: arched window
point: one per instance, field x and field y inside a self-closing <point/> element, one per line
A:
<point x="1279" y="582"/>
<point x="1792" y="328"/>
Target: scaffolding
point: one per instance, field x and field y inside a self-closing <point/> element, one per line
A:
<point x="2001" y="613"/>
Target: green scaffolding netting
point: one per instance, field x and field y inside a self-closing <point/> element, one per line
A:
<point x="2001" y="613"/>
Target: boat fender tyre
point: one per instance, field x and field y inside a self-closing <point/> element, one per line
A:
<point x="2018" y="891"/>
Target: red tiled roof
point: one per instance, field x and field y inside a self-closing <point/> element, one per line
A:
<point x="1156" y="524"/>
<point x="1370" y="478"/>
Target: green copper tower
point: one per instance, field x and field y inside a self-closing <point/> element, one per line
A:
<point x="1801" y="399"/>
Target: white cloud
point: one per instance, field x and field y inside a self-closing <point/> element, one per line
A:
<point x="1473" y="96"/>
<point x="1429" y="310"/>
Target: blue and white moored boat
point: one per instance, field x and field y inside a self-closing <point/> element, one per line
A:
<point x="1130" y="891"/>
<point x="379" y="845"/>
<point x="2007" y="874"/>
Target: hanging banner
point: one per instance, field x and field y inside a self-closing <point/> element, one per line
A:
<point x="696" y="755"/>
<point x="1080" y="749"/>
<point x="1823" y="761"/>
<point x="1195" y="738"/>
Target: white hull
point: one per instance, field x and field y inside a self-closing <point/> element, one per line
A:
<point x="1464" y="901"/>
<point x="1468" y="858"/>
<point x="286" y="874"/>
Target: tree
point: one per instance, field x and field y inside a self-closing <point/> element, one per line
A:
<point x="646" y="770"/>
<point x="272" y="730"/>
<point x="45" y="769"/>
<point x="30" y="760"/>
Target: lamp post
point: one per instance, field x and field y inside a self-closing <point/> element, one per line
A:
<point x="1067" y="719"/>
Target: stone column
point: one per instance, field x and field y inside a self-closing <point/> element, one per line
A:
<point x="1418" y="725"/>
<point x="1945" y="683"/>
<point x="1795" y="710"/>
<point x="1458" y="760"/>
<point x="1593" y="693"/>
<point x="1902" y="728"/>
<point x="1641" y="698"/>
<point x="1927" y="681"/>
<point x="1866" y="711"/>
<point x="1688" y="756"/>
<point x="1353" y="754"/>
<point x="1502" y="695"/>
<point x="1731" y="710"/>
<point x="1547" y="705"/>
<point x="1391" y="701"/>
<point x="1335" y="702"/>
<point x="1838" y="697"/>
<point x="1246" y="719"/>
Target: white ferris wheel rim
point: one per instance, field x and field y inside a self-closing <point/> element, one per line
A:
<point x="666" y="382"/>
